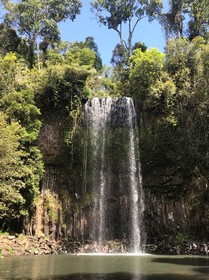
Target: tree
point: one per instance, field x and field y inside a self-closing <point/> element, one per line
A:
<point x="198" y="12"/>
<point x="89" y="42"/>
<point x="187" y="63"/>
<point x="119" y="57"/>
<point x="12" y="170"/>
<point x="9" y="40"/>
<point x="76" y="53"/>
<point x="119" y="60"/>
<point x="172" y="21"/>
<point x="186" y="17"/>
<point x="145" y="70"/>
<point x="37" y="20"/>
<point x="80" y="56"/>
<point x="116" y="14"/>
<point x="18" y="104"/>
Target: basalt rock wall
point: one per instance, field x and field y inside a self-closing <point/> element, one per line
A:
<point x="166" y="212"/>
<point x="60" y="199"/>
<point x="66" y="210"/>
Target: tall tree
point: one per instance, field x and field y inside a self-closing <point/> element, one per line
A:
<point x="9" y="40"/>
<point x="38" y="20"/>
<point x="172" y="21"/>
<point x="89" y="42"/>
<point x="186" y="17"/>
<point x="198" y="12"/>
<point x="119" y="61"/>
<point x="116" y="14"/>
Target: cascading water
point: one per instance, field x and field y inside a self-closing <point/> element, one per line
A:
<point x="113" y="167"/>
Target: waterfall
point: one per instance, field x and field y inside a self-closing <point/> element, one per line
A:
<point x="114" y="180"/>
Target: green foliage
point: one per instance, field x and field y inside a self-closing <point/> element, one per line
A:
<point x="21" y="166"/>
<point x="115" y="15"/>
<point x="8" y="70"/>
<point x="101" y="85"/>
<point x="161" y="100"/>
<point x="84" y="54"/>
<point x="38" y="20"/>
<point x="198" y="12"/>
<point x="20" y="106"/>
<point x="174" y="118"/>
<point x="145" y="71"/>
<point x="9" y="41"/>
<point x="52" y="205"/>
<point x="89" y="42"/>
<point x="172" y="97"/>
<point x="64" y="85"/>
<point x="170" y="89"/>
<point x="80" y="56"/>
<point x="186" y="17"/>
<point x="12" y="170"/>
<point x="35" y="167"/>
<point x="172" y="20"/>
<point x="182" y="239"/>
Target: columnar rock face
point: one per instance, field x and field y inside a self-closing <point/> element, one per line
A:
<point x="165" y="216"/>
<point x="69" y="204"/>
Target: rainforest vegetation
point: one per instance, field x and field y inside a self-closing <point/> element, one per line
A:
<point x="42" y="75"/>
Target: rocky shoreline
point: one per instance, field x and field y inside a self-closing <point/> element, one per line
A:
<point x="30" y="245"/>
<point x="194" y="248"/>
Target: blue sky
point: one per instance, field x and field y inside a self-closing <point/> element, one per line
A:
<point x="86" y="25"/>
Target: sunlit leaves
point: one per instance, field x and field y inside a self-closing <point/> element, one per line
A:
<point x="8" y="70"/>
<point x="145" y="70"/>
<point x="21" y="164"/>
<point x="37" y="20"/>
<point x="80" y="56"/>
<point x="198" y="12"/>
<point x="119" y="14"/>
<point x="12" y="169"/>
<point x="84" y="54"/>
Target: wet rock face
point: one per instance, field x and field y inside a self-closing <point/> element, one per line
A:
<point x="57" y="179"/>
<point x="160" y="215"/>
<point x="166" y="205"/>
<point x="50" y="139"/>
<point x="164" y="216"/>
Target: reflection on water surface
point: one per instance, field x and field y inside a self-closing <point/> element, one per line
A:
<point x="105" y="267"/>
<point x="114" y="276"/>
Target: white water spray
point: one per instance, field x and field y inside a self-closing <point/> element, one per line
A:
<point x="115" y="181"/>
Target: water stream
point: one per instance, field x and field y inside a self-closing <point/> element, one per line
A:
<point x="114" y="164"/>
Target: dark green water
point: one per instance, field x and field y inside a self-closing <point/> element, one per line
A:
<point x="105" y="267"/>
